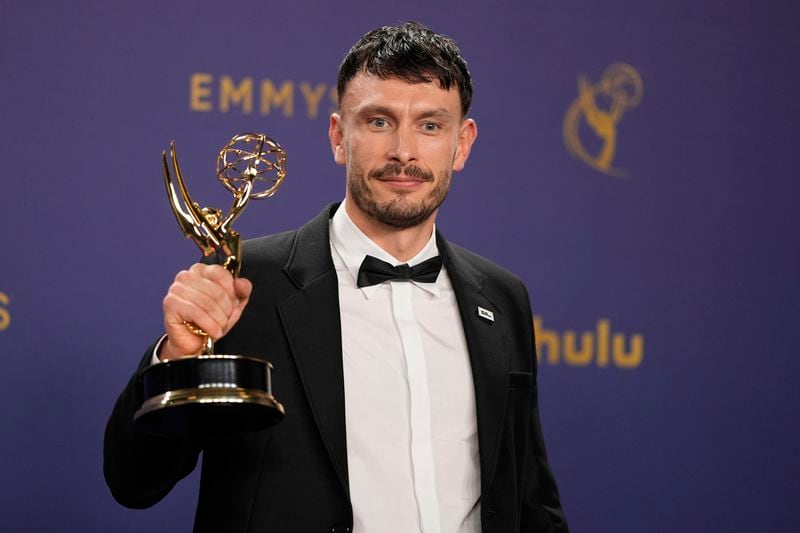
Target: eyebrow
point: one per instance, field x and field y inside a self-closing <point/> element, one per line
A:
<point x="374" y="110"/>
<point x="439" y="112"/>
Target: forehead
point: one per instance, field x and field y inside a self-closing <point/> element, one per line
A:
<point x="367" y="91"/>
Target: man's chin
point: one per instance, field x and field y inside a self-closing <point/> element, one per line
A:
<point x="400" y="215"/>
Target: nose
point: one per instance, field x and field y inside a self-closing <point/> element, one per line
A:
<point x="403" y="148"/>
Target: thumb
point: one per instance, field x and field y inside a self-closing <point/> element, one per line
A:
<point x="242" y="287"/>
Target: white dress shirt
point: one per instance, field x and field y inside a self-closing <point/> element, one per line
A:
<point x="412" y="437"/>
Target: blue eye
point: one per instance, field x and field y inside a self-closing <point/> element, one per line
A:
<point x="379" y="122"/>
<point x="430" y="126"/>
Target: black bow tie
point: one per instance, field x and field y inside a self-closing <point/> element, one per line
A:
<point x="374" y="271"/>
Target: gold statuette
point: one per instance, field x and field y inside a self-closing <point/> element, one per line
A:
<point x="216" y="394"/>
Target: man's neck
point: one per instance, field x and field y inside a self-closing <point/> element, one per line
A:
<point x="401" y="243"/>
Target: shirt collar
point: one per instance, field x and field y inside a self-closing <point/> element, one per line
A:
<point x="353" y="245"/>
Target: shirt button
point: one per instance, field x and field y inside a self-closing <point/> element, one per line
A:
<point x="340" y="528"/>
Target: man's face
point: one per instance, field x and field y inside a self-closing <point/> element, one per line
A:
<point x="401" y="143"/>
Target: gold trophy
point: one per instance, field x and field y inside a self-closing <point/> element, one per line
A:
<point x="213" y="394"/>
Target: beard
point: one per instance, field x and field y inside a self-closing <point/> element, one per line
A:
<point x="401" y="212"/>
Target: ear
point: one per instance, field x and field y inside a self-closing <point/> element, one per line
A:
<point x="336" y="136"/>
<point x="467" y="134"/>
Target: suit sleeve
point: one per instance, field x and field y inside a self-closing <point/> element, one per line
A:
<point x="140" y="469"/>
<point x="541" y="505"/>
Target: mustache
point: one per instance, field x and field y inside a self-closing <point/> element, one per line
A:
<point x="396" y="169"/>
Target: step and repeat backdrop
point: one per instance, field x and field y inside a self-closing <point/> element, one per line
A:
<point x="637" y="166"/>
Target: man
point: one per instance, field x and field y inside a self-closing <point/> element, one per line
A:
<point x="411" y="404"/>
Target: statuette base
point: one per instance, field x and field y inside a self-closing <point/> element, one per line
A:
<point x="208" y="396"/>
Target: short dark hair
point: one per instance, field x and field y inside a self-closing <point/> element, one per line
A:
<point x="412" y="52"/>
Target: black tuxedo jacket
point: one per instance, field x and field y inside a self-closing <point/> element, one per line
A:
<point x="293" y="477"/>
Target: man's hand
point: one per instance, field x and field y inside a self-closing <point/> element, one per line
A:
<point x="209" y="297"/>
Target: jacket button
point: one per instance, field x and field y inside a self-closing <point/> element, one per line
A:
<point x="340" y="527"/>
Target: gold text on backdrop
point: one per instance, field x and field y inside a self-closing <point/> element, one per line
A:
<point x="5" y="314"/>
<point x="247" y="95"/>
<point x="601" y="347"/>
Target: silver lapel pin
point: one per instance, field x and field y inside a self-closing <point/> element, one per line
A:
<point x="485" y="313"/>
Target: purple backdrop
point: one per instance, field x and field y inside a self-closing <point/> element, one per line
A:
<point x="666" y="299"/>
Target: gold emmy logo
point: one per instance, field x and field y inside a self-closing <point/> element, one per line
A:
<point x="5" y="314"/>
<point x="601" y="106"/>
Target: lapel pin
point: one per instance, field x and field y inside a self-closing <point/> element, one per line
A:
<point x="485" y="313"/>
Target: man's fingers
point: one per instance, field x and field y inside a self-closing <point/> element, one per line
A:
<point x="215" y="273"/>
<point x="178" y="310"/>
<point x="204" y="293"/>
<point x="216" y="276"/>
<point x="209" y="297"/>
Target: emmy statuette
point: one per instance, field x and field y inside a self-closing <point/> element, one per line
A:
<point x="215" y="394"/>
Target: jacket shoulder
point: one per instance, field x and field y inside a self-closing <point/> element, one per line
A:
<point x="276" y="247"/>
<point x="493" y="272"/>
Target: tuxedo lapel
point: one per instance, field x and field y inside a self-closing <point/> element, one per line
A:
<point x="482" y="320"/>
<point x="311" y="320"/>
